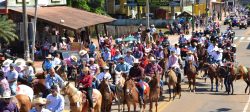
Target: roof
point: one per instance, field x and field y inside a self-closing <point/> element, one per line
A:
<point x="185" y="14"/>
<point x="73" y="18"/>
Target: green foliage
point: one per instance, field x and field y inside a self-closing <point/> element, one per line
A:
<point x="7" y="29"/>
<point x="96" y="6"/>
<point x="248" y="6"/>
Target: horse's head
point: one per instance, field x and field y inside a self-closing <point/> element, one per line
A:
<point x="104" y="85"/>
<point x="66" y="88"/>
<point x="155" y="80"/>
<point x="129" y="86"/>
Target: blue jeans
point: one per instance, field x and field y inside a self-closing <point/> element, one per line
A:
<point x="13" y="89"/>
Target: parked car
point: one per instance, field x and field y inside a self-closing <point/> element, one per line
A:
<point x="243" y="24"/>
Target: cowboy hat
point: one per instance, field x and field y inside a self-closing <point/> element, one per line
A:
<point x="85" y="69"/>
<point x="189" y="52"/>
<point x="29" y="61"/>
<point x="129" y="51"/>
<point x="105" y="67"/>
<point x="74" y="58"/>
<point x="233" y="45"/>
<point x="6" y="95"/>
<point x="152" y="59"/>
<point x="216" y="48"/>
<point x="91" y="59"/>
<point x="7" y="62"/>
<point x="63" y="38"/>
<point x="136" y="61"/>
<point x="82" y="52"/>
<point x="40" y="100"/>
<point x="220" y="50"/>
<point x="49" y="56"/>
<point x="20" y="62"/>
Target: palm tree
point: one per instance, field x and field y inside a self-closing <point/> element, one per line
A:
<point x="7" y="29"/>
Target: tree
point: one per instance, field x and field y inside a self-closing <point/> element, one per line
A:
<point x="7" y="29"/>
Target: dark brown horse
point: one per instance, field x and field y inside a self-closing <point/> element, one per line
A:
<point x="38" y="86"/>
<point x="107" y="96"/>
<point x="163" y="63"/>
<point x="154" y="91"/>
<point x="213" y="74"/>
<point x="229" y="74"/>
<point x="132" y="95"/>
<point x="191" y="73"/>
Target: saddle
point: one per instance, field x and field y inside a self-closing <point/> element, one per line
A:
<point x="143" y="85"/>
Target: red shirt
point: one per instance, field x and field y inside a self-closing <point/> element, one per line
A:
<point x="87" y="81"/>
<point x="144" y="63"/>
<point x="113" y="52"/>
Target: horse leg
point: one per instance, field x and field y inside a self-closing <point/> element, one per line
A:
<point x="194" y="81"/>
<point x="212" y="82"/>
<point x="156" y="105"/>
<point x="150" y="105"/>
<point x="216" y="83"/>
<point x="189" y="83"/>
<point x="169" y="90"/>
<point x="221" y="80"/>
<point x="128" y="107"/>
<point x="232" y="85"/>
<point x="135" y="107"/>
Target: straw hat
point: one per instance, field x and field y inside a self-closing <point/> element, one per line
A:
<point x="7" y="62"/>
<point x="63" y="38"/>
<point x="82" y="52"/>
<point x="74" y="58"/>
<point x="129" y="51"/>
<point x="105" y="67"/>
<point x="29" y="61"/>
<point x="6" y="95"/>
<point x="220" y="50"/>
<point x="85" y="69"/>
<point x="136" y="61"/>
<point x="40" y="100"/>
<point x="189" y="52"/>
<point x="216" y="48"/>
<point x="152" y="59"/>
<point x="49" y="56"/>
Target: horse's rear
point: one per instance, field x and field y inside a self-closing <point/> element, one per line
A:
<point x="173" y="81"/>
<point x="107" y="96"/>
<point x="191" y="73"/>
<point x="154" y="91"/>
<point x="23" y="102"/>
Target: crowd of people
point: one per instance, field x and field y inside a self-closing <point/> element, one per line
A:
<point x="138" y="60"/>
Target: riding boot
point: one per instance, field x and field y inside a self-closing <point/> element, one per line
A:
<point x="141" y="100"/>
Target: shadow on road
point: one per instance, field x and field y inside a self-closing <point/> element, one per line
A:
<point x="222" y="110"/>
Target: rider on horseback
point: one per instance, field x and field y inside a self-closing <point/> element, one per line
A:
<point x="190" y="57"/>
<point x="173" y="63"/>
<point x="217" y="56"/>
<point x="136" y="73"/>
<point x="123" y="67"/>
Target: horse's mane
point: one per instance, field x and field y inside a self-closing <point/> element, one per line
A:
<point x="73" y="90"/>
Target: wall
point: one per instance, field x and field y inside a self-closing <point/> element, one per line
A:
<point x="31" y="3"/>
<point x="128" y="22"/>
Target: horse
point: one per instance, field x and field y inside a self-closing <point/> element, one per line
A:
<point x="245" y="74"/>
<point x="229" y="76"/>
<point x="154" y="91"/>
<point x="23" y="98"/>
<point x="78" y="102"/>
<point x="212" y="73"/>
<point x="132" y="95"/>
<point x="119" y="90"/>
<point x="172" y="81"/>
<point x="107" y="96"/>
<point x="163" y="64"/>
<point x="61" y="72"/>
<point x="191" y="73"/>
<point x="39" y="87"/>
<point x="227" y="56"/>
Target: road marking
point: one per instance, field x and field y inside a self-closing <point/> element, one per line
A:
<point x="242" y="38"/>
<point x="247" y="104"/>
<point x="236" y="38"/>
<point x="163" y="106"/>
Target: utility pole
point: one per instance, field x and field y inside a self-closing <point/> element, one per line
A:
<point x="25" y="33"/>
<point x="147" y="5"/>
<point x="34" y="33"/>
<point x="206" y="12"/>
<point x="192" y="17"/>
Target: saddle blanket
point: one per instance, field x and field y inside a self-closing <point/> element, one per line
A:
<point x="25" y="90"/>
<point x="144" y="86"/>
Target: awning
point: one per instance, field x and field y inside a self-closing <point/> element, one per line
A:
<point x="185" y="14"/>
<point x="66" y="16"/>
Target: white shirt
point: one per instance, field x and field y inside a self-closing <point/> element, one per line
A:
<point x="217" y="56"/>
<point x="191" y="57"/>
<point x="57" y="61"/>
<point x="63" y="46"/>
<point x="29" y="71"/>
<point x="177" y="51"/>
<point x="103" y="75"/>
<point x="129" y="59"/>
<point x="173" y="62"/>
<point x="93" y="69"/>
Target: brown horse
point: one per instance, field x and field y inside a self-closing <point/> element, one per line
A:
<point x="172" y="81"/>
<point x="211" y="70"/>
<point x="23" y="102"/>
<point x="78" y="102"/>
<point x="191" y="73"/>
<point x="154" y="91"/>
<point x="245" y="74"/>
<point x="132" y="95"/>
<point x="61" y="72"/>
<point x="38" y="86"/>
<point x="163" y="64"/>
<point x="107" y="96"/>
<point x="119" y="90"/>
